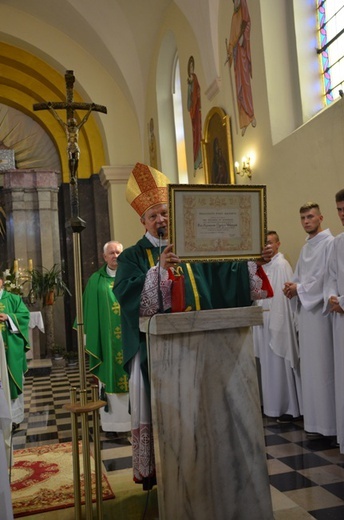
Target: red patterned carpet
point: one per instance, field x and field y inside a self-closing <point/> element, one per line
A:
<point x="42" y="479"/>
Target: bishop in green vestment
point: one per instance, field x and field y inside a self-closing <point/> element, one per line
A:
<point x="207" y="286"/>
<point x="213" y="285"/>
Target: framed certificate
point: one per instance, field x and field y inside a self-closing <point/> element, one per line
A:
<point x="212" y="223"/>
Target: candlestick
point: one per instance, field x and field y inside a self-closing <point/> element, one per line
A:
<point x="30" y="265"/>
<point x="15" y="266"/>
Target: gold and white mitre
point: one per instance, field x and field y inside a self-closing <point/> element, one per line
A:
<point x="146" y="187"/>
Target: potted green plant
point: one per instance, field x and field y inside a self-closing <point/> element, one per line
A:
<point x="47" y="285"/>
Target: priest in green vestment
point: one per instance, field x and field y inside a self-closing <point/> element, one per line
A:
<point x="14" y="326"/>
<point x="140" y="273"/>
<point x="102" y="326"/>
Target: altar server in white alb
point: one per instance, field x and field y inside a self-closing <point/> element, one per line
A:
<point x="276" y="345"/>
<point x="315" y="330"/>
<point x="334" y="304"/>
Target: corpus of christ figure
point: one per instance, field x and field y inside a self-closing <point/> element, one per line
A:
<point x="71" y="127"/>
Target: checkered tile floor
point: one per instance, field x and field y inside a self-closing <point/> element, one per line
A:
<point x="306" y="476"/>
<point x="308" y="472"/>
<point x="47" y="422"/>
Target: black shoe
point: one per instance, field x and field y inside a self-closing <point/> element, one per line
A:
<point x="333" y="441"/>
<point x="314" y="435"/>
<point x="148" y="483"/>
<point x="285" y="418"/>
<point x="299" y="418"/>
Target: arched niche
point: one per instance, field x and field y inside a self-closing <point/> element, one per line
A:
<point x="26" y="80"/>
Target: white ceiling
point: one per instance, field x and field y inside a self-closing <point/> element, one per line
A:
<point x="122" y="34"/>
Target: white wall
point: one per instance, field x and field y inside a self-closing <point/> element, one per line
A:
<point x="296" y="163"/>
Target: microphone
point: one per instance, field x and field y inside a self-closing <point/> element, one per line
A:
<point x="161" y="233"/>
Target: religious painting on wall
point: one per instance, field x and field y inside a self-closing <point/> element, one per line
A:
<point x="239" y="56"/>
<point x="217" y="148"/>
<point x="194" y="107"/>
<point x="153" y="156"/>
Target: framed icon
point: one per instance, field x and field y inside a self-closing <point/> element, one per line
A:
<point x="217" y="148"/>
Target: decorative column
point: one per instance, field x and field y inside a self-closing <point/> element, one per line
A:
<point x="114" y="179"/>
<point x="31" y="216"/>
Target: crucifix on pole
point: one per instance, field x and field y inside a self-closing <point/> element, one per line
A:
<point x="71" y="128"/>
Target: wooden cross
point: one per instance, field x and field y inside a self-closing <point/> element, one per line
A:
<point x="71" y="128"/>
<point x="69" y="105"/>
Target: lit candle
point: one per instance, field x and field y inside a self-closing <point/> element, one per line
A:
<point x="30" y="265"/>
<point x="15" y="266"/>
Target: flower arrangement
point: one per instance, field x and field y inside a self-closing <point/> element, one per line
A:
<point x="14" y="282"/>
<point x="16" y="278"/>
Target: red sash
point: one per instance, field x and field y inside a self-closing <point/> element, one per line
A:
<point x="266" y="286"/>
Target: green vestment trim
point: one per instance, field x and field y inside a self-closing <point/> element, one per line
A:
<point x="16" y="344"/>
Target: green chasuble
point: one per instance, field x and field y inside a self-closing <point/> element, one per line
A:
<point x="16" y="344"/>
<point x="102" y="317"/>
<point x="209" y="285"/>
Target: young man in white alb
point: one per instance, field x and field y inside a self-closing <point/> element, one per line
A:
<point x="315" y="330"/>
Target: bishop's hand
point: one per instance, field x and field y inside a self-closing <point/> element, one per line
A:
<point x="169" y="258"/>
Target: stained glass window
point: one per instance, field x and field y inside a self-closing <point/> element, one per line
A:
<point x="331" y="46"/>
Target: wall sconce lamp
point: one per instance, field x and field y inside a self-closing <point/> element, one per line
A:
<point x="245" y="167"/>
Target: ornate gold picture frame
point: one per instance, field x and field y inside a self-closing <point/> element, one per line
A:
<point x="217" y="148"/>
<point x="211" y="223"/>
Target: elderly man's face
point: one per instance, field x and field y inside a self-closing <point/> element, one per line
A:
<point x="155" y="218"/>
<point x="112" y="252"/>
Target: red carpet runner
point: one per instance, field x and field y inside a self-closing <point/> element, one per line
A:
<point x="42" y="480"/>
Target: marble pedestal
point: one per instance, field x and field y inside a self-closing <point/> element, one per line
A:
<point x="208" y="432"/>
